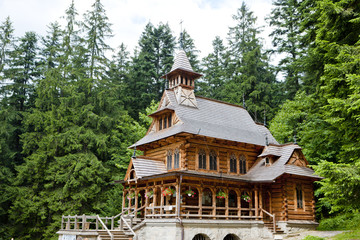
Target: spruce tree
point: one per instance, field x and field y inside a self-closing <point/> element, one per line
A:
<point x="251" y="77"/>
<point x="152" y="59"/>
<point x="286" y="19"/>
<point x="214" y="69"/>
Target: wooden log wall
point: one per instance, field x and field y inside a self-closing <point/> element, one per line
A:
<point x="284" y="202"/>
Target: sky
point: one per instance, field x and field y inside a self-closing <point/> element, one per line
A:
<point x="202" y="19"/>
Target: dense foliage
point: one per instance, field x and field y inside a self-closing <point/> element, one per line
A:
<point x="68" y="111"/>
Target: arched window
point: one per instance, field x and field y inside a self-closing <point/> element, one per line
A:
<point x="231" y="237"/>
<point x="165" y="122"/>
<point x="202" y="159"/>
<point x="213" y="160"/>
<point x="299" y="197"/>
<point x="200" y="237"/>
<point x="207" y="197"/>
<point x="176" y="158"/>
<point x="169" y="160"/>
<point x="242" y="164"/>
<point x="233" y="168"/>
<point x="232" y="199"/>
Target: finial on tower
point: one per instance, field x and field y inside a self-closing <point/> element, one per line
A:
<point x="134" y="154"/>
<point x="244" y="101"/>
<point x="181" y="35"/>
<point x="264" y="117"/>
<point x="295" y="142"/>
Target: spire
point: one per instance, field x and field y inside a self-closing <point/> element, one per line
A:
<point x="264" y="117"/>
<point x="295" y="142"/>
<point x="244" y="101"/>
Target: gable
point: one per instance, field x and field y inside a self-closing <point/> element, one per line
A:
<point x="298" y="159"/>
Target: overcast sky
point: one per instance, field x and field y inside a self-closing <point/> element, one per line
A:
<point x="202" y="19"/>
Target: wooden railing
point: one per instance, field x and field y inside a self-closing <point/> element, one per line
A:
<point x="188" y="211"/>
<point x="95" y="223"/>
<point x="272" y="216"/>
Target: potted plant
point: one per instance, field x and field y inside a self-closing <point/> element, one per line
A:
<point x="190" y="193"/>
<point x="168" y="192"/>
<point x="220" y="194"/>
<point x="246" y="198"/>
<point x="149" y="194"/>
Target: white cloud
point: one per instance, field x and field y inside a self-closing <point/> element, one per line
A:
<point x="203" y="19"/>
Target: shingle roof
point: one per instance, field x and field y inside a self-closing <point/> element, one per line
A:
<point x="259" y="172"/>
<point x="212" y="118"/>
<point x="181" y="61"/>
<point x="147" y="167"/>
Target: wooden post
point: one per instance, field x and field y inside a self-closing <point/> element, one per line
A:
<point x="123" y="201"/>
<point x="97" y="224"/>
<point x="200" y="201"/>
<point x="68" y="223"/>
<point x="260" y="202"/>
<point x="251" y="204"/>
<point x="214" y="203"/>
<point x="227" y="203"/>
<point x="83" y="221"/>
<point x="256" y="203"/>
<point x="239" y="204"/>
<point x="62" y="222"/>
<point x="136" y="202"/>
<point x="161" y="202"/>
<point x="177" y="198"/>
<point x="75" y="223"/>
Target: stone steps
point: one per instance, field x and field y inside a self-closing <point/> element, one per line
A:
<point x="118" y="235"/>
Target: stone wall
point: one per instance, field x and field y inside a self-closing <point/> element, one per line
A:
<point x="171" y="229"/>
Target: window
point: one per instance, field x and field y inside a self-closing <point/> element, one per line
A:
<point x="169" y="120"/>
<point x="299" y="197"/>
<point x="165" y="121"/>
<point x="242" y="164"/>
<point x="160" y="123"/>
<point x="213" y="161"/>
<point x="202" y="159"/>
<point x="233" y="163"/>
<point x="176" y="158"/>
<point x="169" y="160"/>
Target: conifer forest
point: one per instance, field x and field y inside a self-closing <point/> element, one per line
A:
<point x="70" y="105"/>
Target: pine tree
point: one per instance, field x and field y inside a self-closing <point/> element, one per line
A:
<point x="286" y="19"/>
<point x="6" y="39"/>
<point x="251" y="76"/>
<point x="98" y="29"/>
<point x="152" y="60"/>
<point x="214" y="71"/>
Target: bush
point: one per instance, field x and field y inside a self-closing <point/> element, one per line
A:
<point x="309" y="237"/>
<point x="348" y="221"/>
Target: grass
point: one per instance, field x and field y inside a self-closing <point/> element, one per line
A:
<point x="309" y="237"/>
<point x="350" y="235"/>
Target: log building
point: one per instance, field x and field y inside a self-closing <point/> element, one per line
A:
<point x="208" y="171"/>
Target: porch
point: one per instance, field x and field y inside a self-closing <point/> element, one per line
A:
<point x="195" y="198"/>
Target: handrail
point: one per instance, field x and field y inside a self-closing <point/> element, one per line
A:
<point x="132" y="231"/>
<point x="138" y="209"/>
<point x="273" y="217"/>
<point x="104" y="226"/>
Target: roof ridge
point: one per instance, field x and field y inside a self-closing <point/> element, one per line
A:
<point x="220" y="101"/>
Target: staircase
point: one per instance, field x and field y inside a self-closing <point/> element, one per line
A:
<point x="118" y="235"/>
<point x="270" y="226"/>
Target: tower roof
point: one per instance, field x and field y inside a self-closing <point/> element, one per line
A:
<point x="182" y="65"/>
<point x="182" y="62"/>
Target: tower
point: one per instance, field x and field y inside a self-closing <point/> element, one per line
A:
<point x="181" y="79"/>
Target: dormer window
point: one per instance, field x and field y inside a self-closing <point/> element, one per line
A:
<point x="165" y="121"/>
<point x="267" y="161"/>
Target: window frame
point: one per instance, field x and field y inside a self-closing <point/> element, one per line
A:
<point x="242" y="164"/>
<point x="176" y="159"/>
<point x="300" y="197"/>
<point x="213" y="164"/>
<point x="233" y="163"/>
<point x="169" y="160"/>
<point x="202" y="166"/>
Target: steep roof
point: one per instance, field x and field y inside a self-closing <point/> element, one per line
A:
<point x="147" y="167"/>
<point x="211" y="118"/>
